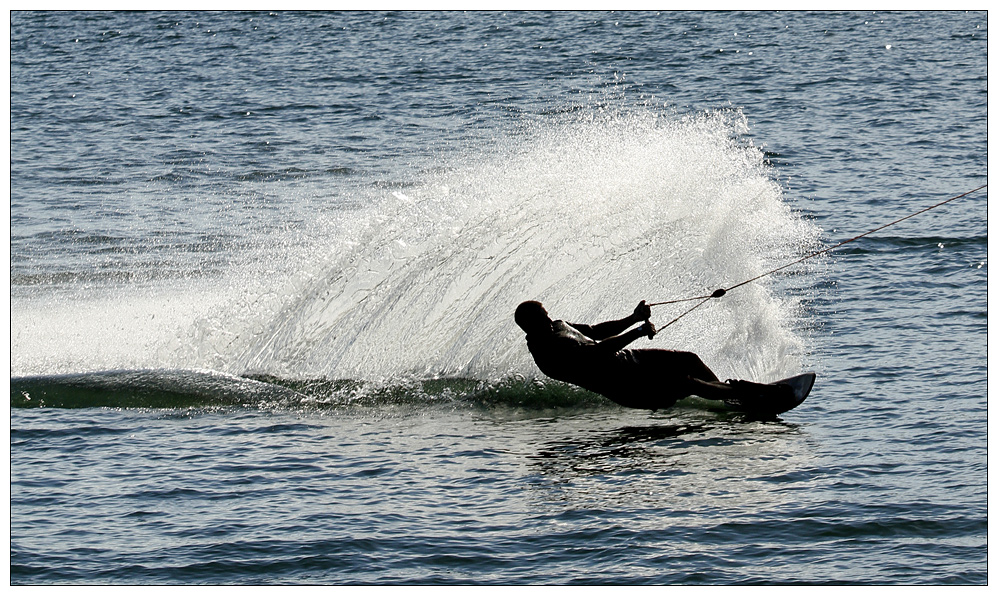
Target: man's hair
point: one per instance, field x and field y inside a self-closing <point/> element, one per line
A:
<point x="529" y="313"/>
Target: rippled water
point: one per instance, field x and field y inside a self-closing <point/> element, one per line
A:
<point x="263" y="268"/>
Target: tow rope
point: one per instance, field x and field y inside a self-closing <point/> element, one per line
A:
<point x="722" y="291"/>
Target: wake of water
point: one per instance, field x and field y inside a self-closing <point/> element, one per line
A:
<point x="588" y="211"/>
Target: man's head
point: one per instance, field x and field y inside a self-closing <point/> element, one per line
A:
<point x="531" y="317"/>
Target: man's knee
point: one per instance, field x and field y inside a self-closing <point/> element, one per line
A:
<point x="690" y="360"/>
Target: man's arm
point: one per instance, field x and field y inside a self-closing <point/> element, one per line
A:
<point x="608" y="329"/>
<point x="612" y="345"/>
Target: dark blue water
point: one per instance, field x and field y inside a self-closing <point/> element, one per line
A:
<point x="263" y="269"/>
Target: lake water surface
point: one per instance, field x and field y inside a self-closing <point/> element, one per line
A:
<point x="264" y="265"/>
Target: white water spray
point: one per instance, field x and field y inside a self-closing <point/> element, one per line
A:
<point x="589" y="216"/>
<point x="588" y="213"/>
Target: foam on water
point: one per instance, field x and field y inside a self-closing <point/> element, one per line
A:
<point x="589" y="211"/>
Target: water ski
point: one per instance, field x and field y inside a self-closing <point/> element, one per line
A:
<point x="752" y="402"/>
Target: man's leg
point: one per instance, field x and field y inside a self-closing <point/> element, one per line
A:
<point x="738" y="390"/>
<point x="704" y="383"/>
<point x="695" y="368"/>
<point x="711" y="389"/>
<point x="672" y="375"/>
<point x="679" y="373"/>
